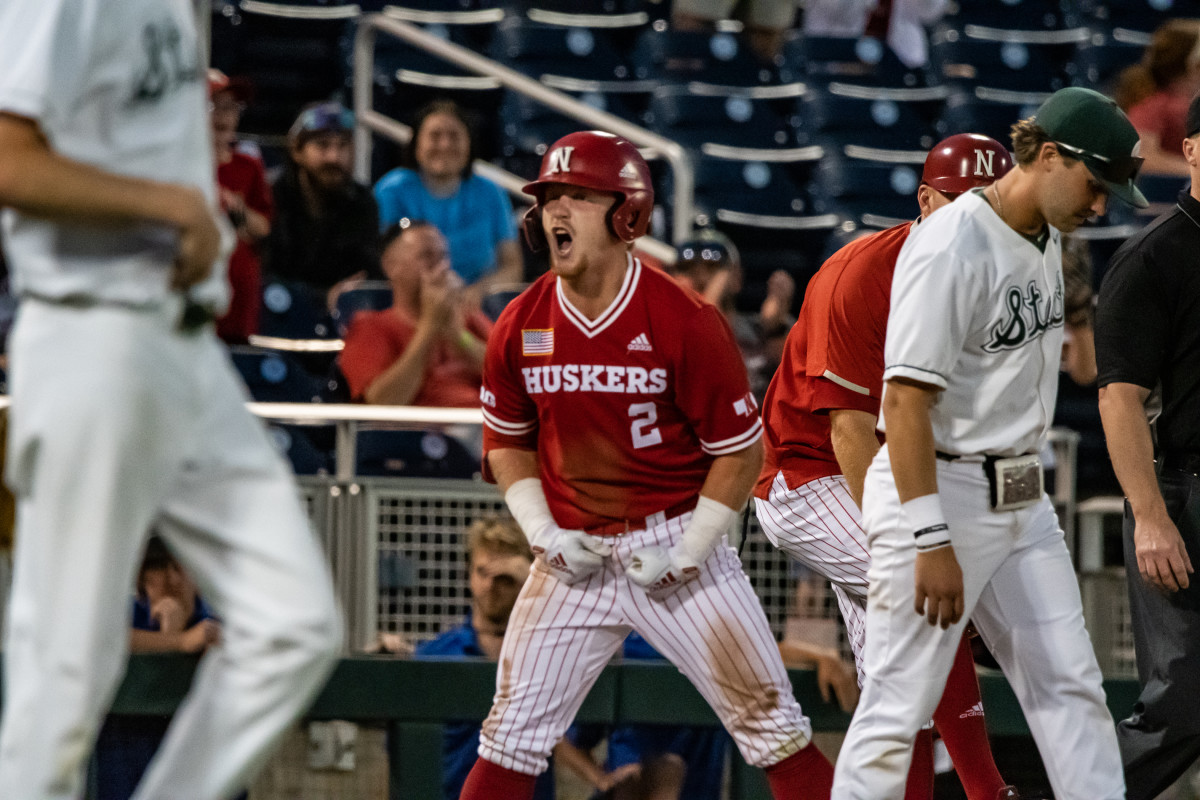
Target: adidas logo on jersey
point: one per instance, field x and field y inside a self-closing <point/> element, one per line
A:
<point x="974" y="711"/>
<point x="640" y="342"/>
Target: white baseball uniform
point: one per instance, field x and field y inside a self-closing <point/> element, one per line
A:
<point x="626" y="413"/>
<point x="121" y="421"/>
<point x="993" y="348"/>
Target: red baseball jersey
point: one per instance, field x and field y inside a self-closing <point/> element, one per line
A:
<point x="627" y="411"/>
<point x="832" y="359"/>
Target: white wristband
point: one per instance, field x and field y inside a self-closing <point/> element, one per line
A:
<point x="924" y="516"/>
<point x="527" y="501"/>
<point x="710" y="521"/>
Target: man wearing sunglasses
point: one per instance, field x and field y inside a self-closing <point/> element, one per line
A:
<point x="958" y="523"/>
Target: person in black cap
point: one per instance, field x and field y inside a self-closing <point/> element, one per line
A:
<point x="958" y="523"/>
<point x="326" y="225"/>
<point x="1148" y="355"/>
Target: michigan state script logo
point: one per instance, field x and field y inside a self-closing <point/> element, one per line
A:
<point x="1027" y="317"/>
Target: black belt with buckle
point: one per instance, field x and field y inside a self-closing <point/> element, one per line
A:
<point x="1180" y="461"/>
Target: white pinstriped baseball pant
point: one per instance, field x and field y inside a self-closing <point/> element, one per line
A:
<point x="819" y="524"/>
<point x="713" y="629"/>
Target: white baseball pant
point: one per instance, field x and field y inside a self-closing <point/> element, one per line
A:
<point x="713" y="629"/>
<point x="118" y="422"/>
<point x="1021" y="592"/>
<point x="819" y="524"/>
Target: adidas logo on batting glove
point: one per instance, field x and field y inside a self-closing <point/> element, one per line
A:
<point x="570" y="555"/>
<point x="661" y="571"/>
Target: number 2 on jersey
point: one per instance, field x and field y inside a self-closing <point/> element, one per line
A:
<point x="642" y="430"/>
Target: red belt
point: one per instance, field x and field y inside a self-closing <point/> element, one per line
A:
<point x="617" y="527"/>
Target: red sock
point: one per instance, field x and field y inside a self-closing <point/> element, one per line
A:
<point x="488" y="781"/>
<point x="806" y="775"/>
<point x="959" y="719"/>
<point x="920" y="773"/>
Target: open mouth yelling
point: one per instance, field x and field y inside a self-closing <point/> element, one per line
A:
<point x="562" y="241"/>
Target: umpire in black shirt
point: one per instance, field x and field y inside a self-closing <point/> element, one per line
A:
<point x="1148" y="354"/>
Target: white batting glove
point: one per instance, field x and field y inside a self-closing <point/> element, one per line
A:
<point x="661" y="571"/>
<point x="571" y="555"/>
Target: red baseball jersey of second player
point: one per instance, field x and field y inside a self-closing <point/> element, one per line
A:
<point x="627" y="411"/>
<point x="832" y="359"/>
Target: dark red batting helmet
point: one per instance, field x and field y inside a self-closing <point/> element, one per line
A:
<point x="599" y="161"/>
<point x="965" y="161"/>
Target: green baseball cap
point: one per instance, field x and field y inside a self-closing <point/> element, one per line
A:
<point x="1090" y="127"/>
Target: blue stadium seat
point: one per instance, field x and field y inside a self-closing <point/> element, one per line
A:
<point x="369" y="296"/>
<point x="716" y="59"/>
<point x="1128" y="18"/>
<point x="1012" y="64"/>
<point x="573" y="52"/>
<point x="413" y="454"/>
<point x="274" y="377"/>
<point x="496" y="301"/>
<point x="294" y="311"/>
<point x="861" y="60"/>
<point x="887" y="119"/>
<point x="297" y="443"/>
<point x="734" y="120"/>
<point x="529" y="127"/>
<point x="990" y="112"/>
<point x="1042" y="15"/>
<point x="1099" y="61"/>
<point x="874" y="194"/>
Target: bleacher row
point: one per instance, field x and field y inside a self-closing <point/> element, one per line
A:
<point x="791" y="157"/>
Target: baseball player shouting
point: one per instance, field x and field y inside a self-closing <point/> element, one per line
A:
<point x="819" y="417"/>
<point x="126" y="411"/>
<point x="619" y="423"/>
<point x="957" y="521"/>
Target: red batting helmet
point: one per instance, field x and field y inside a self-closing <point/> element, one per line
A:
<point x="965" y="161"/>
<point x="600" y="161"/>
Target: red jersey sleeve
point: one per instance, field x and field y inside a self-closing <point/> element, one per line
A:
<point x="258" y="196"/>
<point x="846" y="337"/>
<point x="370" y="349"/>
<point x="509" y="414"/>
<point x="711" y="387"/>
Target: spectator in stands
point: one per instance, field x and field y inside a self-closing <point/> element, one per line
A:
<point x="427" y="349"/>
<point x="325" y="233"/>
<point x="1156" y="92"/>
<point x="169" y="616"/>
<point x="498" y="562"/>
<point x="710" y="265"/>
<point x="765" y="21"/>
<point x="901" y="23"/>
<point x="437" y="184"/>
<point x="246" y="200"/>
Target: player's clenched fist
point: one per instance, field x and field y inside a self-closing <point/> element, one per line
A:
<point x="661" y="571"/>
<point x="570" y="555"/>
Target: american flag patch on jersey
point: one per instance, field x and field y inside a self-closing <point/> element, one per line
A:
<point x="537" y="342"/>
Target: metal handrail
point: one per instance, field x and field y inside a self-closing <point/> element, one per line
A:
<point x="369" y="120"/>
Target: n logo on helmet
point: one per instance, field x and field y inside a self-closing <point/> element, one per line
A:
<point x="560" y="160"/>
<point x="983" y="163"/>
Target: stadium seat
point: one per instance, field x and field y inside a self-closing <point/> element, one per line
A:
<point x="988" y="111"/>
<point x="1040" y="15"/>
<point x="715" y="59"/>
<point x="1136" y="19"/>
<point x="368" y="296"/>
<point x="1010" y="64"/>
<point x="528" y="127"/>
<point x="297" y="443"/>
<point x="733" y="120"/>
<point x="874" y="194"/>
<point x="573" y="52"/>
<point x="413" y="454"/>
<point x="885" y="119"/>
<point x="292" y="54"/>
<point x="294" y="311"/>
<point x="859" y="60"/>
<point x="495" y="301"/>
<point x="274" y="377"/>
<point x="1099" y="61"/>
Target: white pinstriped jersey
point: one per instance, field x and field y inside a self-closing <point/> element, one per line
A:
<point x="977" y="310"/>
<point x="627" y="411"/>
